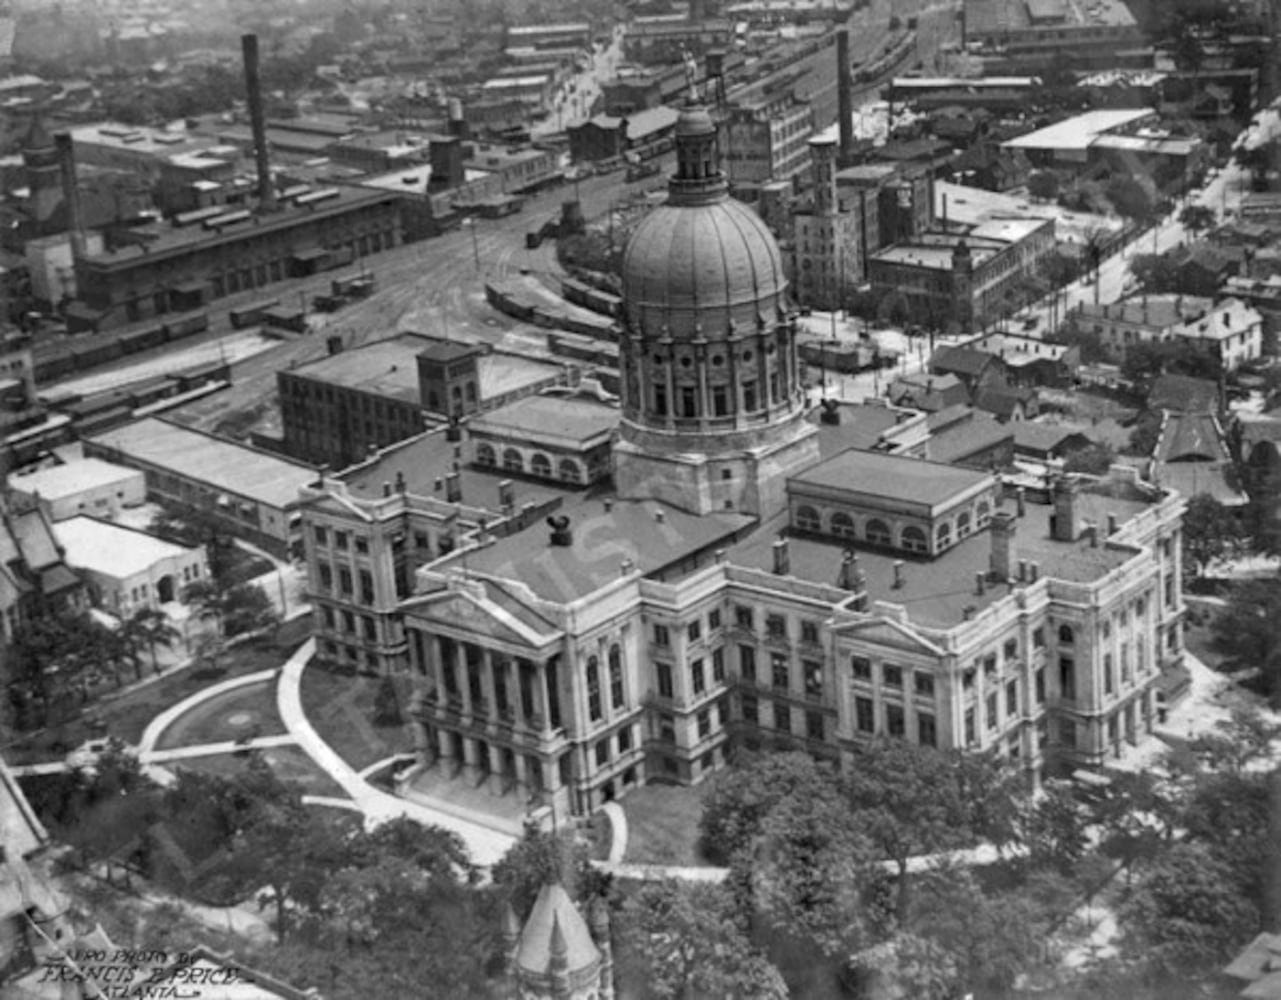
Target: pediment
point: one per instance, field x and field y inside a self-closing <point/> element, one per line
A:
<point x="886" y="632"/>
<point x="460" y="613"/>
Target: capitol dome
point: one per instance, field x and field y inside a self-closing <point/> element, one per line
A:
<point x="701" y="261"/>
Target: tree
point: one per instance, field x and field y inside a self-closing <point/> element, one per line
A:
<point x="1186" y="911"/>
<point x="1043" y="185"/>
<point x="913" y="800"/>
<point x="1210" y="531"/>
<point x="1129" y="197"/>
<point x="1156" y="274"/>
<point x="1145" y="434"/>
<point x="1247" y="631"/>
<point x="687" y="941"/>
<point x="247" y="608"/>
<point x="1195" y="218"/>
<point x="540" y="857"/>
<point x="736" y="805"/>
<point x="387" y="704"/>
<point x="153" y="628"/>
<point x="1093" y="459"/>
<point x="1053" y="829"/>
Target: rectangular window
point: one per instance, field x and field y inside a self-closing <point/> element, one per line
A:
<point x="892" y="676"/>
<point x="1011" y="650"/>
<point x="776" y="627"/>
<point x="750" y="710"/>
<point x="697" y="680"/>
<point x="602" y="753"/>
<point x="660" y="400"/>
<point x="344" y="582"/>
<point x="814" y="725"/>
<point x="743" y="616"/>
<point x="749" y="396"/>
<point x="326" y="576"/>
<point x="371" y="631"/>
<point x="366" y="587"/>
<point x="1038" y="638"/>
<point x="1107" y="673"/>
<point x="616" y="692"/>
<point x="1067" y="732"/>
<point x="861" y="668"/>
<point x="718" y="666"/>
<point x="661" y="636"/>
<point x="894" y="720"/>
<point x="1067" y="677"/>
<point x="593" y="689"/>
<point x="925" y="731"/>
<point x="1012" y="698"/>
<point x="809" y="632"/>
<point x="704" y="725"/>
<point x="694" y="630"/>
<point x="782" y="718"/>
<point x="667" y="729"/>
<point x="689" y="401"/>
<point x="1040" y="686"/>
<point x="624" y="739"/>
<point x="813" y="678"/>
<point x="321" y="535"/>
<point x="779" y="670"/>
<point x="970" y="732"/>
<point x="720" y="400"/>
<point x="664" y="680"/>
<point x="989" y="667"/>
<point x="865" y="715"/>
<point x="991" y="711"/>
<point x="362" y="545"/>
<point x="924" y="683"/>
<point x="340" y="540"/>
<point x="713" y="619"/>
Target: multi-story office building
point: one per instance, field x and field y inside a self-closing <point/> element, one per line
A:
<point x="829" y="235"/>
<point x="754" y="579"/>
<point x="767" y="139"/>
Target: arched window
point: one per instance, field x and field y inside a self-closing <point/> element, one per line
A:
<point x="878" y="533"/>
<point x="540" y="465"/>
<point x="983" y="513"/>
<point x="842" y="525"/>
<point x="569" y="471"/>
<point x="943" y="535"/>
<point x="962" y="524"/>
<point x="513" y="461"/>
<point x="807" y="519"/>
<point x="485" y="456"/>
<point x="913" y="539"/>
<point x="1065" y="635"/>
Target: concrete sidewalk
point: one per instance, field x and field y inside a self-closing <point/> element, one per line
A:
<point x="485" y="846"/>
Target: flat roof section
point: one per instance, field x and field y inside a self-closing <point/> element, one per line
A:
<point x="75" y="477"/>
<point x="216" y="462"/>
<point x="504" y="373"/>
<point x="891" y="477"/>
<point x="112" y="549"/>
<point x="384" y="367"/>
<point x="1079" y="131"/>
<point x="568" y="423"/>
<point x="651" y="535"/>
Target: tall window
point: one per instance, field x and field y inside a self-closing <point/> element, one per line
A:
<point x="747" y="664"/>
<point x="925" y="731"/>
<point x="616" y="676"/>
<point x="665" y="680"/>
<point x="718" y="666"/>
<point x="813" y="678"/>
<point x="782" y="718"/>
<point x="779" y="670"/>
<point x="697" y="679"/>
<point x="865" y="715"/>
<point x="1067" y="677"/>
<point x="894" y="720"/>
<point x="593" y="688"/>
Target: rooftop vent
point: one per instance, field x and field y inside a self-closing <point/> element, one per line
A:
<point x="561" y="535"/>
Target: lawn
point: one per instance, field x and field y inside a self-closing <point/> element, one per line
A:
<point x="244" y="711"/>
<point x="290" y="764"/>
<point x="126" y="715"/>
<point x="662" y="825"/>
<point x="341" y="708"/>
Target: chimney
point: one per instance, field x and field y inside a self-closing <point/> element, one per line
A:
<point x="1001" y="566"/>
<point x="386" y="489"/>
<point x="333" y="345"/>
<point x="626" y="567"/>
<point x="446" y="162"/>
<point x="506" y="495"/>
<point x="980" y="584"/>
<point x="850" y="576"/>
<point x="831" y="414"/>
<point x="71" y="193"/>
<point x="1112" y="524"/>
<point x="898" y="574"/>
<point x="1091" y="531"/>
<point x="609" y="504"/>
<point x="457" y="120"/>
<point x="782" y="560"/>
<point x="438" y="485"/>
<point x="453" y="488"/>
<point x="1021" y="501"/>
<point x="944" y="209"/>
<point x="1033" y="572"/>
<point x="400" y="482"/>
<point x="454" y="432"/>
<point x="1065" y="514"/>
<point x="844" y="96"/>
<point x="1022" y="571"/>
<point x="561" y="535"/>
<point x="253" y="91"/>
<point x="660" y="516"/>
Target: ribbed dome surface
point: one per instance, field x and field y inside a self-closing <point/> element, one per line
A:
<point x="702" y="264"/>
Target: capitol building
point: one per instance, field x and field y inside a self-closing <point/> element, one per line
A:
<point x="590" y="597"/>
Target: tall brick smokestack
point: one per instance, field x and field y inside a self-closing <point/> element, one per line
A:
<point x="253" y="89"/>
<point x="71" y="193"/>
<point x="844" y="96"/>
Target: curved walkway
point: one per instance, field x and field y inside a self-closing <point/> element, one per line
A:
<point x="486" y="846"/>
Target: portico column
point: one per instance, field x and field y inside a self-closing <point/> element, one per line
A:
<point x="464" y="682"/>
<point x="544" y="706"/>
<point x="438" y="670"/>
<point x="487" y="683"/>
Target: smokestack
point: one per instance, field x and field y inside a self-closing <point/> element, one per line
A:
<point x="844" y="96"/>
<point x="782" y="561"/>
<point x="71" y="193"/>
<point x="457" y="120"/>
<point x="898" y="574"/>
<point x="253" y="90"/>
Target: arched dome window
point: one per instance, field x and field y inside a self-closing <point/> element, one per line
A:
<point x="943" y="535"/>
<point x="842" y="525"/>
<point x="807" y="519"/>
<point x="540" y="465"/>
<point x="963" y="524"/>
<point x="1066" y="635"/>
<point x="913" y="539"/>
<point x="878" y="532"/>
<point x="485" y="455"/>
<point x="512" y="460"/>
<point x="569" y="471"/>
